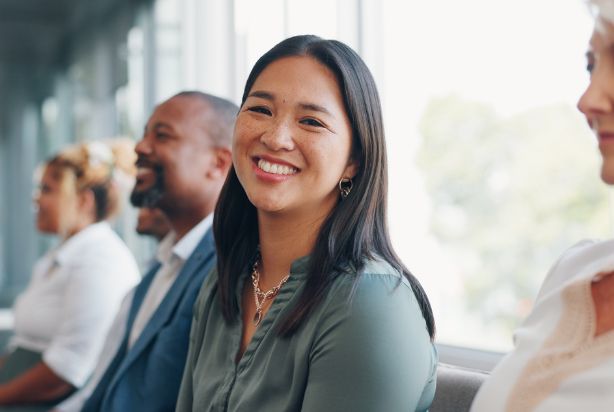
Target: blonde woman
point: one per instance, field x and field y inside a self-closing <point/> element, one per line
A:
<point x="564" y="355"/>
<point x="63" y="315"/>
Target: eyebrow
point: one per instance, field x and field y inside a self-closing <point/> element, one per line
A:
<point x="158" y="125"/>
<point x="262" y="95"/>
<point x="305" y="106"/>
<point x="314" y="108"/>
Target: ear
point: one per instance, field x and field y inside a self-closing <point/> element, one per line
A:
<point x="351" y="169"/>
<point x="86" y="202"/>
<point x="220" y="163"/>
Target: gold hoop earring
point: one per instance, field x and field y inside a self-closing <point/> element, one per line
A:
<point x="345" y="186"/>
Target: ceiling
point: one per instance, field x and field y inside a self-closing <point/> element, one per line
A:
<point x="31" y="30"/>
<point x="36" y="31"/>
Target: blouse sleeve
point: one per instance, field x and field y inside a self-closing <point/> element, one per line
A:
<point x="372" y="354"/>
<point x="90" y="301"/>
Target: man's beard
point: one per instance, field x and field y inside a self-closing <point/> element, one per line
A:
<point x="151" y="196"/>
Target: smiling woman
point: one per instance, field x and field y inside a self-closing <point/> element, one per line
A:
<point x="293" y="140"/>
<point x="310" y="309"/>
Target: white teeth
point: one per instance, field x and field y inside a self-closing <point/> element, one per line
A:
<point x="276" y="169"/>
<point x="143" y="171"/>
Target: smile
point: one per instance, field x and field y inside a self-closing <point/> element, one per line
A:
<point x="140" y="171"/>
<point x="144" y="173"/>
<point x="276" y="169"/>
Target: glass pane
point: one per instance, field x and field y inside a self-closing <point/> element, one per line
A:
<point x="493" y="171"/>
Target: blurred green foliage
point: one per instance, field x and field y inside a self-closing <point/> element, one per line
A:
<point x="509" y="195"/>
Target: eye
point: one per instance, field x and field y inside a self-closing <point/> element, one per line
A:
<point x="161" y="136"/>
<point x="311" y="122"/>
<point x="259" y="109"/>
<point x="590" y="62"/>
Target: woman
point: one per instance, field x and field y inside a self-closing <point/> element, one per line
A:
<point x="63" y="315"/>
<point x="310" y="308"/>
<point x="564" y="355"/>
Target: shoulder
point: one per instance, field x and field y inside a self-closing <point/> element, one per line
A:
<point x="202" y="259"/>
<point x="98" y="243"/>
<point x="375" y="279"/>
<point x="375" y="295"/>
<point x="584" y="259"/>
<point x="200" y="263"/>
<point x="371" y="320"/>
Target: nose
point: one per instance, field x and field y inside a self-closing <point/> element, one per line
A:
<point x="143" y="147"/>
<point x="278" y="137"/>
<point x="597" y="99"/>
<point x="36" y="197"/>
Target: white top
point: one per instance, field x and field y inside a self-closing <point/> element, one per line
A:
<point x="111" y="345"/>
<point x="558" y="365"/>
<point x="72" y="298"/>
<point x="172" y="258"/>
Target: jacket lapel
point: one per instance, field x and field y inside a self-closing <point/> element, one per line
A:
<point x="203" y="253"/>
<point x="139" y="296"/>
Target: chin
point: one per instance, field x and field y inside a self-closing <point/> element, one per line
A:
<point x="266" y="205"/>
<point x="607" y="173"/>
<point x="45" y="229"/>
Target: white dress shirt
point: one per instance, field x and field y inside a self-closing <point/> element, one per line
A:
<point x="172" y="258"/>
<point x="111" y="345"/>
<point x="71" y="300"/>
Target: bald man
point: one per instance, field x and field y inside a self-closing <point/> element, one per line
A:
<point x="183" y="159"/>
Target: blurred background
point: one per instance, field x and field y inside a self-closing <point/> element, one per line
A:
<point x="493" y="171"/>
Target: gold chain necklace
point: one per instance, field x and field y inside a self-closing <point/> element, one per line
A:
<point x="259" y="296"/>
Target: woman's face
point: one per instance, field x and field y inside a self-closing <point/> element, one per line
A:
<point x="48" y="202"/>
<point x="597" y="102"/>
<point x="293" y="139"/>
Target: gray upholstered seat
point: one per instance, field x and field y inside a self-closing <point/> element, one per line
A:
<point x="456" y="388"/>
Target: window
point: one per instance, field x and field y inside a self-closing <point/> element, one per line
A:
<point x="481" y="128"/>
<point x="493" y="173"/>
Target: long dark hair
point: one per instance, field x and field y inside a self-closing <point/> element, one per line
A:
<point x="356" y="229"/>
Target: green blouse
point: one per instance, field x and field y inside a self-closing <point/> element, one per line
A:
<point x="370" y="353"/>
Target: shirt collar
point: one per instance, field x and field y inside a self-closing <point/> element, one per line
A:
<point x="186" y="245"/>
<point x="165" y="247"/>
<point x="71" y="245"/>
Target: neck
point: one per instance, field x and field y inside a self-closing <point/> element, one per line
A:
<point x="183" y="221"/>
<point x="79" y="226"/>
<point x="283" y="239"/>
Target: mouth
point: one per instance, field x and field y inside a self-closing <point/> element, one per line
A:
<point x="275" y="167"/>
<point x="149" y="187"/>
<point x="144" y="174"/>
<point x="146" y="171"/>
<point x="606" y="136"/>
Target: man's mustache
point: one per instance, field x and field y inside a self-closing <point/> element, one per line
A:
<point x="144" y="162"/>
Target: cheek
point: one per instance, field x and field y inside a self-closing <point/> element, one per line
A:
<point x="331" y="155"/>
<point x="46" y="205"/>
<point x="602" y="79"/>
<point x="245" y="136"/>
<point x="245" y="132"/>
<point x="48" y="214"/>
